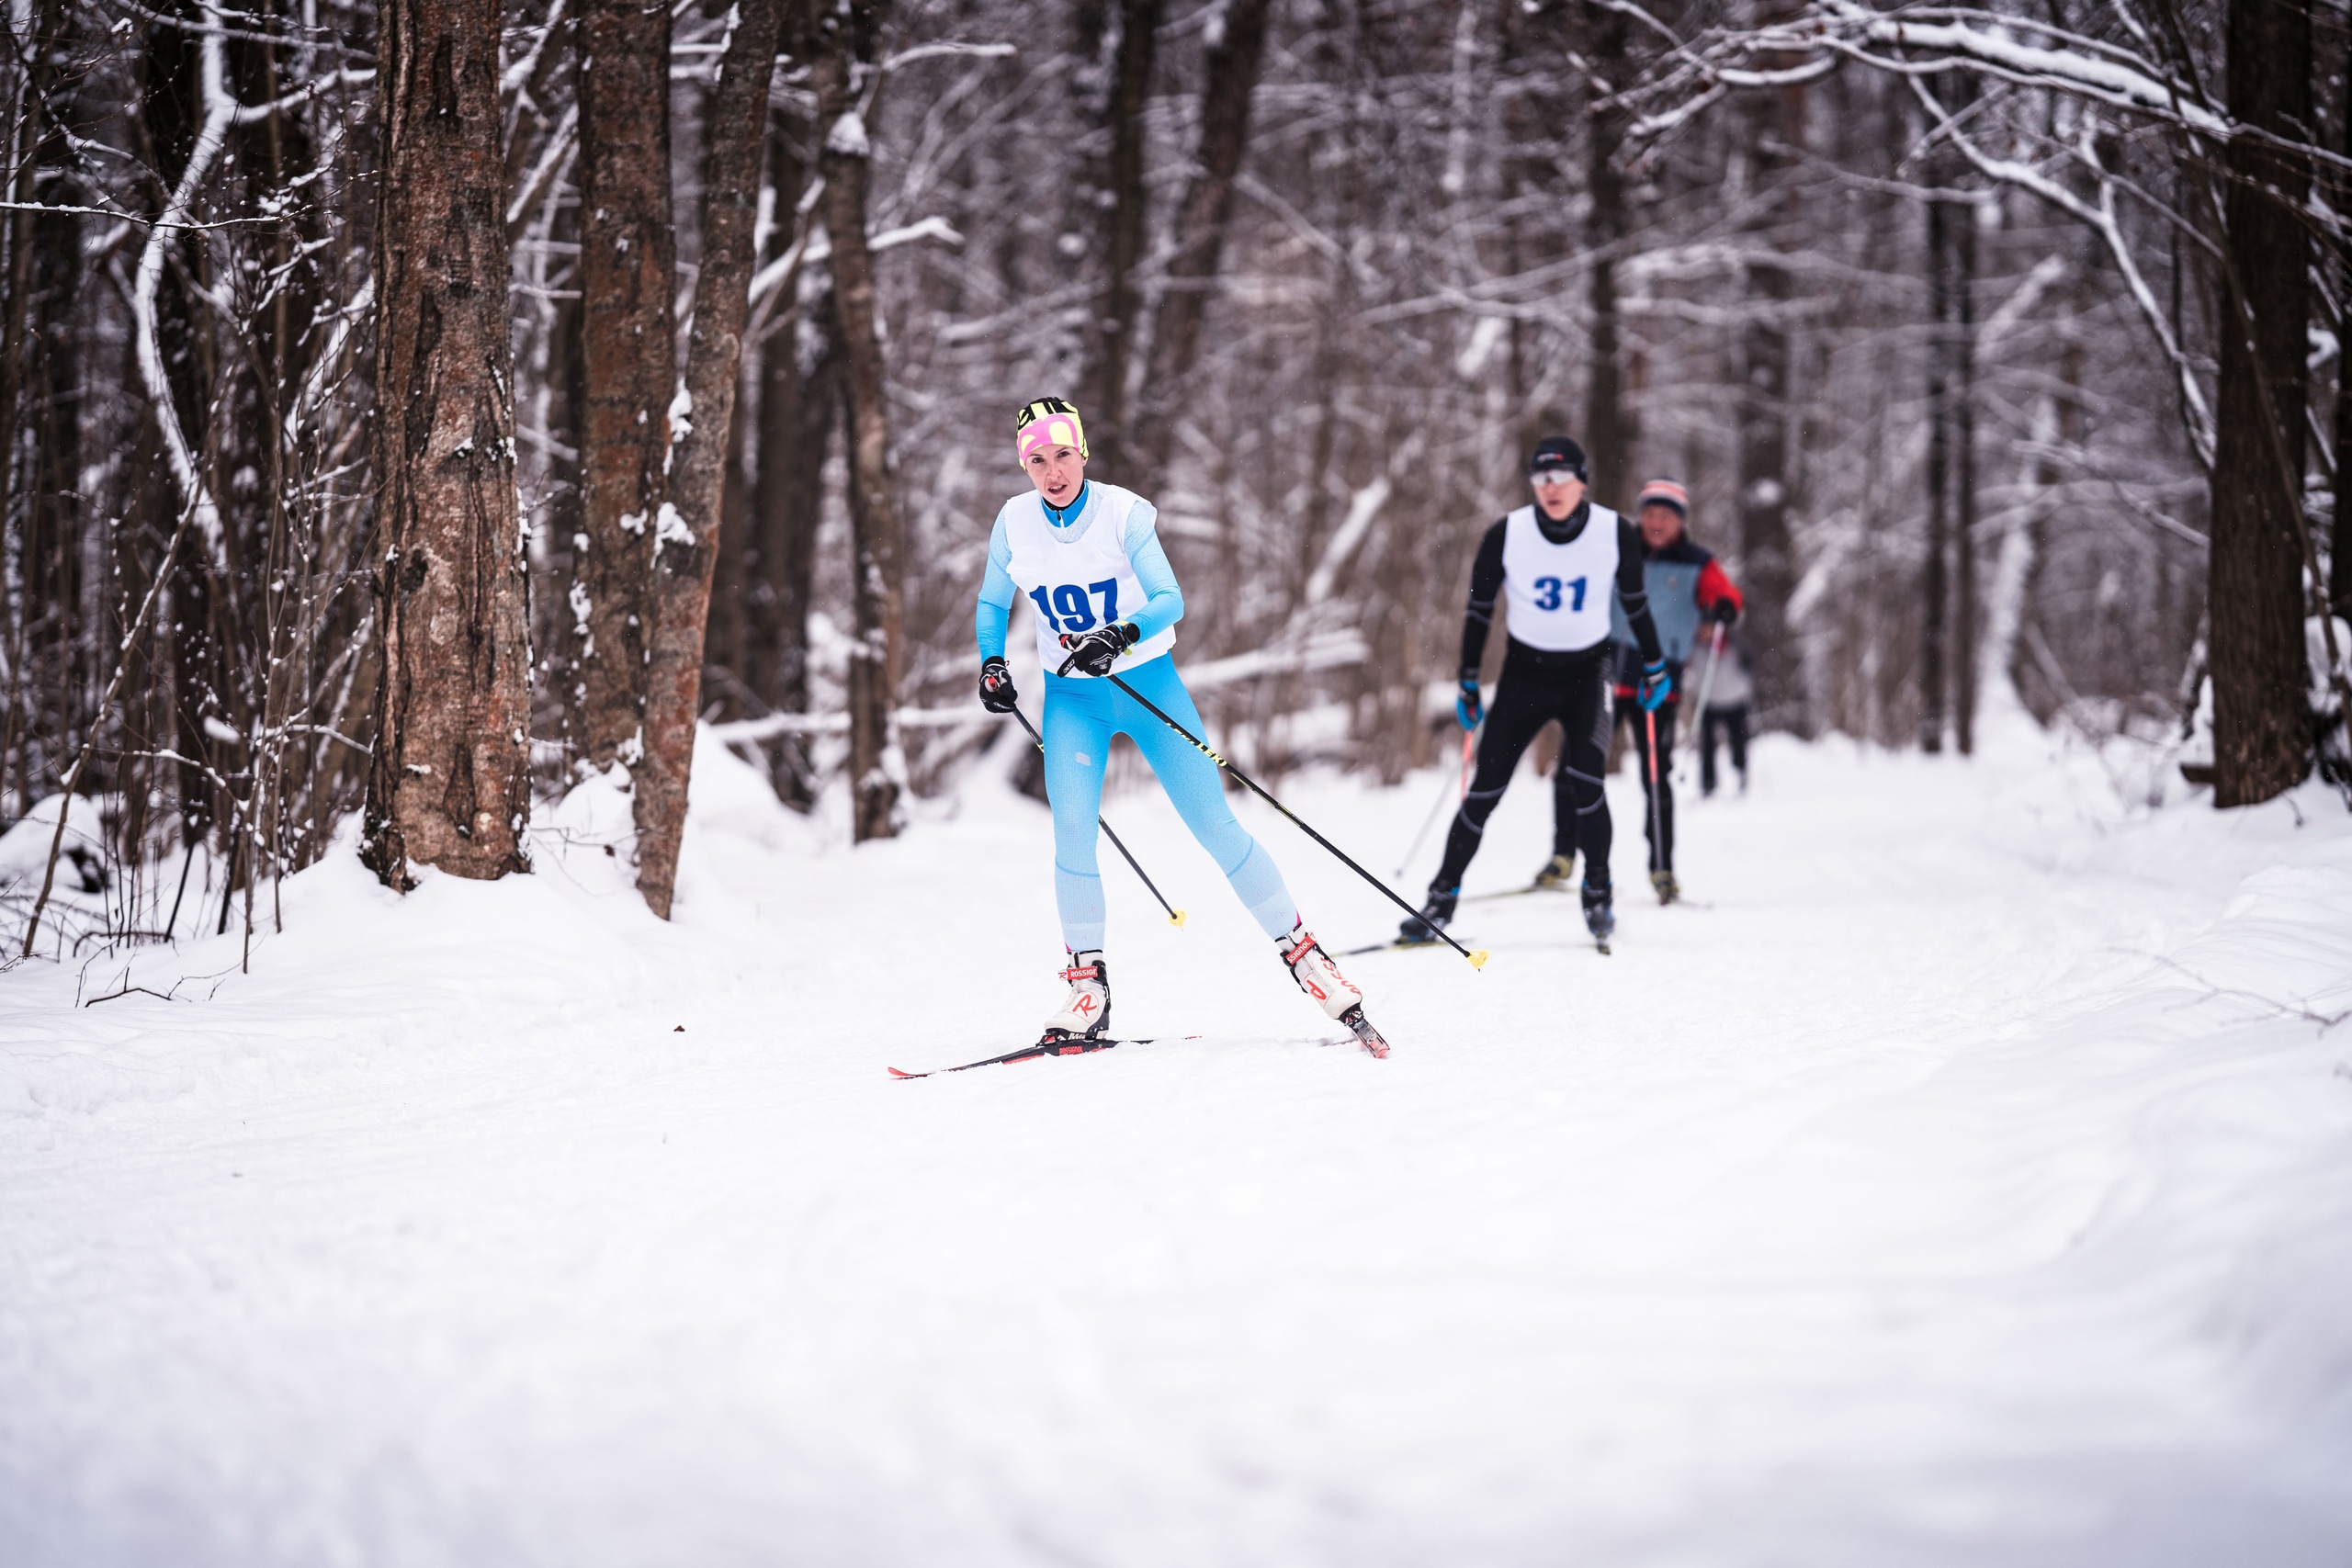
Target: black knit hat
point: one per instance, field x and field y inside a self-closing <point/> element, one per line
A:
<point x="1559" y="452"/>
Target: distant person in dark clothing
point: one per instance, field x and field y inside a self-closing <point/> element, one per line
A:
<point x="1687" y="591"/>
<point x="1728" y="694"/>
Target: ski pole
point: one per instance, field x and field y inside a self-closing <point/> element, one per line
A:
<point x="1657" y="818"/>
<point x="1706" y="687"/>
<point x="1175" y="915"/>
<point x="1469" y="743"/>
<point x="1477" y="959"/>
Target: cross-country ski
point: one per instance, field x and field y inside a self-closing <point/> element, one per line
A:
<point x="1036" y="1053"/>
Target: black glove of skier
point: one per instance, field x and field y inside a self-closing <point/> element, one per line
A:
<point x="1469" y="708"/>
<point x="997" y="695"/>
<point x="1099" y="650"/>
<point x="1724" y="612"/>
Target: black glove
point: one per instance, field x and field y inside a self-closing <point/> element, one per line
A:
<point x="1724" y="612"/>
<point x="997" y="695"/>
<point x="1467" y="707"/>
<point x="1099" y="650"/>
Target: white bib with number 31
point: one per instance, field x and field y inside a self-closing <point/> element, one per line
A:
<point x="1076" y="585"/>
<point x="1559" y="594"/>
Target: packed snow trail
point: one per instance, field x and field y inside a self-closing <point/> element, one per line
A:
<point x="1965" y="1184"/>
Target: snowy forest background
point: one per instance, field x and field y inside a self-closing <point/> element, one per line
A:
<point x="1931" y="307"/>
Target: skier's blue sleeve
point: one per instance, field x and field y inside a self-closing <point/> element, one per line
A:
<point x="996" y="595"/>
<point x="1163" y="604"/>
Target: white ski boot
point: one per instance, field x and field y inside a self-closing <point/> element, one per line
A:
<point x="1320" y="979"/>
<point x="1086" y="1013"/>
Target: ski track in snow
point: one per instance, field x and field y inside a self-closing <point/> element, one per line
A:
<point x="1959" y="1188"/>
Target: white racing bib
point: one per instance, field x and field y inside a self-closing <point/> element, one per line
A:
<point x="1559" y="594"/>
<point x="1076" y="585"/>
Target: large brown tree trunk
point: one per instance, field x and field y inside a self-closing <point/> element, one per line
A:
<point x="628" y="343"/>
<point x="686" y="551"/>
<point x="1103" y="399"/>
<point x="2262" y="724"/>
<point x="1234" y="57"/>
<point x="844" y="36"/>
<point x="1608" y="433"/>
<point x="450" y="783"/>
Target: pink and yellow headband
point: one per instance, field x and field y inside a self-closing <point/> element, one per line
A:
<point x="1048" y="421"/>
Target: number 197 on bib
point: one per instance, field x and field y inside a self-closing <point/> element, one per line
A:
<point x="1069" y="610"/>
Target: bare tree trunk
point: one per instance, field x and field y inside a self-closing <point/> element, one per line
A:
<point x="845" y="39"/>
<point x="799" y="399"/>
<point x="2339" y="570"/>
<point x="2067" y="410"/>
<point x="629" y="367"/>
<point x="1533" y="178"/>
<point x="1964" y="613"/>
<point x="450" y="781"/>
<point x="686" y="555"/>
<point x="1608" y="435"/>
<point x="798" y="407"/>
<point x="725" y="643"/>
<point x="1934" y="593"/>
<point x="23" y="152"/>
<point x="1105" y="393"/>
<point x="2262" y="724"/>
<point x="1775" y="128"/>
<point x="1234" y="57"/>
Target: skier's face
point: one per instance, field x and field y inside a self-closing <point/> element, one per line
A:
<point x="1057" y="471"/>
<point x="1661" y="525"/>
<point x="1557" y="492"/>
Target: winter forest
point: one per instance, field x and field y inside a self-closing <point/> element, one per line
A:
<point x="445" y="437"/>
<point x="1998" y="350"/>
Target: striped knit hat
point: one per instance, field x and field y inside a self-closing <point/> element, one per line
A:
<point x="1665" y="493"/>
<point x="1048" y="422"/>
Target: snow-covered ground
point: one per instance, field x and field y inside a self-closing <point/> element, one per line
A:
<point x="1961" y="1182"/>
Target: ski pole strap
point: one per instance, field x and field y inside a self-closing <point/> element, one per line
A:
<point x="1477" y="959"/>
<point x="1175" y="915"/>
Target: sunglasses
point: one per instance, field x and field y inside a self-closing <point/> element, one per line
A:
<point x="1551" y="478"/>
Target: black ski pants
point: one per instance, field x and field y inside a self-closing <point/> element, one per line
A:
<point x="1537" y="687"/>
<point x="1662" y="847"/>
<point x="1732" y="724"/>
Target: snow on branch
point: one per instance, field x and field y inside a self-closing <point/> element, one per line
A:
<point x="2101" y="218"/>
<point x="1936" y="39"/>
<point x="932" y="228"/>
<point x="949" y="47"/>
<point x="221" y="116"/>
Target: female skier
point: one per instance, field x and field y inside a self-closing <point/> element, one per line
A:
<point x="1087" y="557"/>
